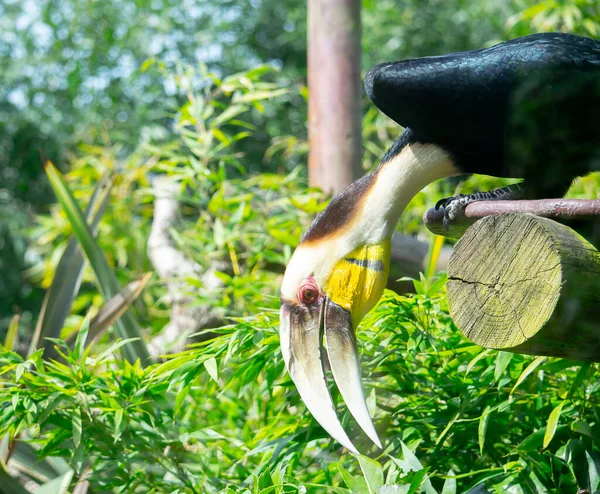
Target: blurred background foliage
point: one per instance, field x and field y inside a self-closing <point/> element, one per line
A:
<point x="212" y="96"/>
<point x="73" y="76"/>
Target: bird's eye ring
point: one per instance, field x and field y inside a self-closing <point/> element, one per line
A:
<point x="308" y="294"/>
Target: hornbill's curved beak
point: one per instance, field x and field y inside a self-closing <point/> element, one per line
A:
<point x="329" y="315"/>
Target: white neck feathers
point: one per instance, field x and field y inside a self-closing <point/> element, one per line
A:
<point x="397" y="181"/>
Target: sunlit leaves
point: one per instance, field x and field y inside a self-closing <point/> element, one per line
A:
<point x="372" y="473"/>
<point x="552" y="423"/>
<point x="108" y="285"/>
<point x="483" y="425"/>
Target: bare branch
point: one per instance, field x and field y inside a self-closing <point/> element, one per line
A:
<point x="561" y="209"/>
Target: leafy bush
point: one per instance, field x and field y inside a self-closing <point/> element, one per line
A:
<point x="224" y="416"/>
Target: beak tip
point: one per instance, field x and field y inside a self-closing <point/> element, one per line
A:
<point x="349" y="446"/>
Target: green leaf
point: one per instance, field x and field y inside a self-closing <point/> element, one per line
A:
<point x="12" y="335"/>
<point x="410" y="463"/>
<point x="76" y="427"/>
<point x="113" y="348"/>
<point x="593" y="472"/>
<point x="127" y="326"/>
<point x="582" y="428"/>
<point x="476" y="359"/>
<point x="394" y="489"/>
<point x="118" y="421"/>
<point x="211" y="367"/>
<point x="483" y="425"/>
<point x="502" y="361"/>
<point x="442" y="435"/>
<point x="552" y="423"/>
<point x="358" y="486"/>
<point x="438" y="285"/>
<point x="219" y="233"/>
<point x="82" y="336"/>
<point x="259" y="95"/>
<point x="372" y="472"/>
<point x="434" y="254"/>
<point x="449" y="484"/>
<point x="528" y="370"/>
<point x="59" y="485"/>
<point x="220" y="135"/>
<point x="230" y="112"/>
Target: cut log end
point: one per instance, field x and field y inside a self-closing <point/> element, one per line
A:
<point x="527" y="284"/>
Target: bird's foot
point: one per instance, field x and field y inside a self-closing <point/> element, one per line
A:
<point x="455" y="206"/>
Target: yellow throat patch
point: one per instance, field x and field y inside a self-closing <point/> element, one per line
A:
<point x="358" y="280"/>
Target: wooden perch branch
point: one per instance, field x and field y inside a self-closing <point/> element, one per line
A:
<point x="527" y="284"/>
<point x="547" y="208"/>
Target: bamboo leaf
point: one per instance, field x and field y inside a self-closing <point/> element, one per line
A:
<point x="410" y="463"/>
<point x="372" y="473"/>
<point x="502" y="361"/>
<point x="211" y="367"/>
<point x="82" y="336"/>
<point x="126" y="326"/>
<point x="443" y="434"/>
<point x="76" y="427"/>
<point x="256" y="96"/>
<point x="552" y="423"/>
<point x="356" y="485"/>
<point x="476" y="359"/>
<point x="593" y="473"/>
<point x="434" y="255"/>
<point x="483" y="424"/>
<point x="12" y="334"/>
<point x="450" y="483"/>
<point x="528" y="370"/>
<point x="111" y="349"/>
<point x="231" y="112"/>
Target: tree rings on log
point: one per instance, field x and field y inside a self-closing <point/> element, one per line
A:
<point x="526" y="284"/>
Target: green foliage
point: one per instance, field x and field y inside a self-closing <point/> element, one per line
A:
<point x="224" y="416"/>
<point x="251" y="223"/>
<point x="127" y="326"/>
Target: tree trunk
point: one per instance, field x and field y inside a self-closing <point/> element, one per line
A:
<point x="335" y="92"/>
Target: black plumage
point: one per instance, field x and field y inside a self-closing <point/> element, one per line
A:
<point x="522" y="108"/>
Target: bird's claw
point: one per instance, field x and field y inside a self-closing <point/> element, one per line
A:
<point x="453" y="207"/>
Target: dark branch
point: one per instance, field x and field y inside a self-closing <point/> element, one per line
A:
<point x="561" y="209"/>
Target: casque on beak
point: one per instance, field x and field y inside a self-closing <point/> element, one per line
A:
<point x="329" y="316"/>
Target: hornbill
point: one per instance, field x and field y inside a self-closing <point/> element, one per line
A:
<point x="527" y="108"/>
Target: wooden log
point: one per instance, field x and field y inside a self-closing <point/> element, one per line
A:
<point x="527" y="284"/>
<point x="563" y="209"/>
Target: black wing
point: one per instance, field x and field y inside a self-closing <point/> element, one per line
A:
<point x="461" y="100"/>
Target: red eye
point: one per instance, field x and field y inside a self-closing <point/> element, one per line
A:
<point x="308" y="293"/>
